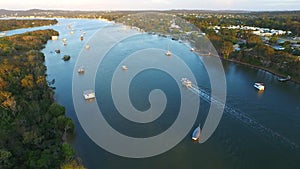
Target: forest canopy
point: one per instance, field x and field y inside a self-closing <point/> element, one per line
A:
<point x="32" y="126"/>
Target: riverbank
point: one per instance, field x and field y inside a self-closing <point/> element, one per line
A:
<point x="33" y="124"/>
<point x="262" y="68"/>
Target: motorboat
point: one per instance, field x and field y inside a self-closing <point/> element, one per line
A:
<point x="186" y="82"/>
<point x="124" y="67"/>
<point x="259" y="86"/>
<point x="89" y="94"/>
<point x="284" y="79"/>
<point x="196" y="133"/>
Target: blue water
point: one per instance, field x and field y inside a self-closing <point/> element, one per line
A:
<point x="257" y="130"/>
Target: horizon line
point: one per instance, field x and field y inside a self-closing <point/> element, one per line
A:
<point x="125" y="10"/>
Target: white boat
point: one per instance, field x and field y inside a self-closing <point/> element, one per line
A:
<point x="80" y="70"/>
<point x="259" y="86"/>
<point x="192" y="49"/>
<point x="186" y="82"/>
<point x="168" y="53"/>
<point x="196" y="133"/>
<point x="284" y="79"/>
<point x="54" y="37"/>
<point x="89" y="94"/>
<point x="87" y="46"/>
<point x="124" y="67"/>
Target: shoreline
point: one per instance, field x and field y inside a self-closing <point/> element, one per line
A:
<point x="262" y="68"/>
<point x="230" y="60"/>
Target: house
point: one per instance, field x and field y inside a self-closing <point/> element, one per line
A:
<point x="236" y="47"/>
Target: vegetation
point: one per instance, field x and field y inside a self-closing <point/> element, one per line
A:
<point x="33" y="127"/>
<point x="66" y="57"/>
<point x="17" y="24"/>
<point x="253" y="50"/>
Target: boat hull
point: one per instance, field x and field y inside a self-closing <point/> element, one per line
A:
<point x="196" y="134"/>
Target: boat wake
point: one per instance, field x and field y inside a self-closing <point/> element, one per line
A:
<point x="243" y="117"/>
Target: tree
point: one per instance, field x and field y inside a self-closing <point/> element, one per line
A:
<point x="27" y="81"/>
<point x="226" y="49"/>
<point x="68" y="151"/>
<point x="72" y="165"/>
<point x="253" y="40"/>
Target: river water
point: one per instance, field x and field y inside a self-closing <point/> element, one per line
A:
<point x="257" y="130"/>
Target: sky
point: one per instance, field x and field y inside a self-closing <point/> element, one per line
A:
<point x="253" y="5"/>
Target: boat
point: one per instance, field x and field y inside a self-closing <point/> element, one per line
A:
<point x="186" y="82"/>
<point x="54" y="38"/>
<point x="284" y="79"/>
<point x="81" y="37"/>
<point x="80" y="70"/>
<point x="168" y="53"/>
<point x="57" y="51"/>
<point x="192" y="49"/>
<point x="259" y="86"/>
<point x="87" y="47"/>
<point x="196" y="133"/>
<point x="124" y="67"/>
<point x="89" y="94"/>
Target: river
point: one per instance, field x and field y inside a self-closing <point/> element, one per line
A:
<point x="257" y="130"/>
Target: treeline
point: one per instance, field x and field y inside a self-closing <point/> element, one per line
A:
<point x="33" y="127"/>
<point x="254" y="52"/>
<point x="252" y="49"/>
<point x="280" y="22"/>
<point x="10" y="24"/>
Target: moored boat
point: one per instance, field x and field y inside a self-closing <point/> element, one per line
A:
<point x="284" y="79"/>
<point x="57" y="51"/>
<point x="168" y="53"/>
<point x="89" y="94"/>
<point x="124" y="67"/>
<point x="80" y="70"/>
<point x="196" y="133"/>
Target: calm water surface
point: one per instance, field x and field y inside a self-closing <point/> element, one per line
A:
<point x="257" y="130"/>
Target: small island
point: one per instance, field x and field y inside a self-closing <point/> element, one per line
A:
<point x="66" y="58"/>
